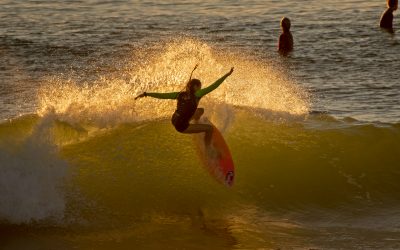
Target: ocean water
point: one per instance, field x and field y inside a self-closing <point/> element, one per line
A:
<point x="315" y="136"/>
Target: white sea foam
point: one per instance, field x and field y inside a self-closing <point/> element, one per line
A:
<point x="31" y="178"/>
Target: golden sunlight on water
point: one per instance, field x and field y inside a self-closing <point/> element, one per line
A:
<point x="108" y="100"/>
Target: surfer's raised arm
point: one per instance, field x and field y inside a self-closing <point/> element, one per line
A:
<point x="205" y="91"/>
<point x="172" y="95"/>
<point x="199" y="93"/>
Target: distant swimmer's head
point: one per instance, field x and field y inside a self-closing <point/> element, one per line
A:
<point x="392" y="4"/>
<point x="285" y="24"/>
<point x="193" y="85"/>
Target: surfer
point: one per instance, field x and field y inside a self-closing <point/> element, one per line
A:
<point x="387" y="17"/>
<point x="187" y="106"/>
<point x="285" y="44"/>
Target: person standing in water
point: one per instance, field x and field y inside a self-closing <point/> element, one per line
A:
<point x="387" y="17"/>
<point x="187" y="106"/>
<point x="285" y="39"/>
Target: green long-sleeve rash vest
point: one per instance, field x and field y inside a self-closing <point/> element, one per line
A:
<point x="199" y="93"/>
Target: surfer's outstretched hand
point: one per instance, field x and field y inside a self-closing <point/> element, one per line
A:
<point x="231" y="71"/>
<point x="141" y="95"/>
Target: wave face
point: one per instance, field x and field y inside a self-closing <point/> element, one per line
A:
<point x="294" y="175"/>
<point x="318" y="161"/>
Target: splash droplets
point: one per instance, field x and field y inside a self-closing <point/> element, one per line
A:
<point x="109" y="100"/>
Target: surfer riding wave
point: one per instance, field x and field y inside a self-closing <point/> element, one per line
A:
<point x="187" y="106"/>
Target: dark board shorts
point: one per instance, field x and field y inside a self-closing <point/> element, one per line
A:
<point x="180" y="123"/>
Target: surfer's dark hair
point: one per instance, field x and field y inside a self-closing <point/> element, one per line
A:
<point x="191" y="84"/>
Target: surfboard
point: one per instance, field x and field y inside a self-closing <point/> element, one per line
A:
<point x="216" y="156"/>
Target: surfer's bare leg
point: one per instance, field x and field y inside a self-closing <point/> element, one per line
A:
<point x="199" y="112"/>
<point x="199" y="128"/>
